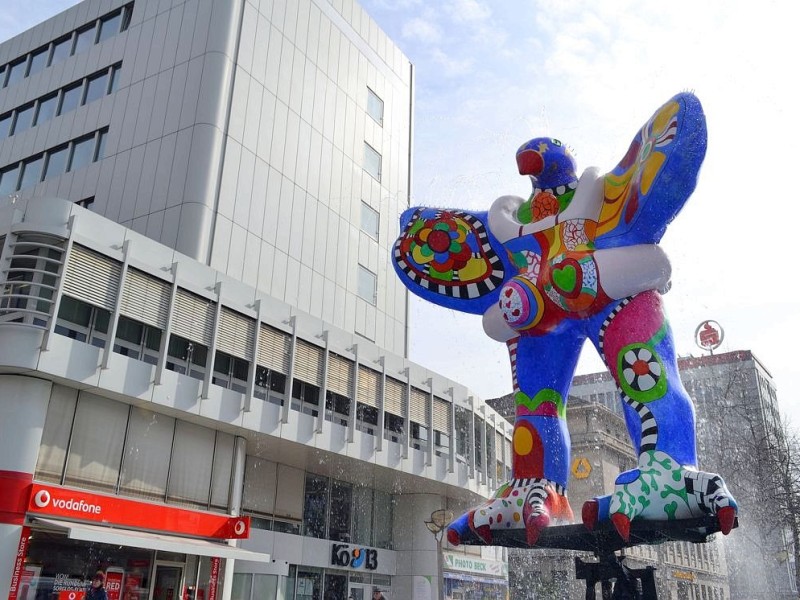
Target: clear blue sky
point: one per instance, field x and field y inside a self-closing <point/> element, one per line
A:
<point x="490" y="75"/>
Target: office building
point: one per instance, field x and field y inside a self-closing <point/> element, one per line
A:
<point x="205" y="387"/>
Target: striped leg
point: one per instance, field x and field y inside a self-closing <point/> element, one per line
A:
<point x="635" y="341"/>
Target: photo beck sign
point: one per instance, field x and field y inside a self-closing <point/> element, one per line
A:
<point x="354" y="557"/>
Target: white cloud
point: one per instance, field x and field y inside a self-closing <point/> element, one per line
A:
<point x="422" y="30"/>
<point x="451" y="67"/>
<point x="470" y="11"/>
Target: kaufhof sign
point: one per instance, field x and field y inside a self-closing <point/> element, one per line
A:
<point x="470" y="564"/>
<point x="354" y="557"/>
<point x="54" y="501"/>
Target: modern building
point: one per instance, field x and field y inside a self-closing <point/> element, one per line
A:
<point x="204" y="383"/>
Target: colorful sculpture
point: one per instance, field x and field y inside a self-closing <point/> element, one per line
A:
<point x="578" y="259"/>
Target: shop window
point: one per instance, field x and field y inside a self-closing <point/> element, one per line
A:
<point x="270" y="385"/>
<point x="187" y="357"/>
<point x="305" y="398"/>
<point x="82" y="322"/>
<point x="231" y="372"/>
<point x="55" y="435"/>
<point x="362" y="515"/>
<point x="337" y="408"/>
<point x="309" y="584"/>
<point x="191" y="465"/>
<point x="316" y="505"/>
<point x="137" y="340"/>
<point x="394" y="426"/>
<point x="419" y="436"/>
<point x="382" y="519"/>
<point x="144" y="468"/>
<point x="340" y="509"/>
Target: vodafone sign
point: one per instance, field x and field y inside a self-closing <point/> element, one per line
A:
<point x="112" y="510"/>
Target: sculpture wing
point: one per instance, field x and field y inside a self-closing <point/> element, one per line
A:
<point x="650" y="185"/>
<point x="450" y="258"/>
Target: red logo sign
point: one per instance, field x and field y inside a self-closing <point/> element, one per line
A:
<point x="709" y="335"/>
<point x="114" y="577"/>
<point x="19" y="561"/>
<point x="88" y="506"/>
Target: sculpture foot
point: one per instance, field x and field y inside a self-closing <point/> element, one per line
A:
<point x="658" y="490"/>
<point x="529" y="504"/>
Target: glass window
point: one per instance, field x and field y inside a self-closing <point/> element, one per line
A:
<point x="39" y="60"/>
<point x="31" y="171"/>
<point x="16" y="71"/>
<point x="71" y="98"/>
<point x="114" y="79"/>
<point x="101" y="145"/>
<point x="367" y="284"/>
<point x="82" y="153"/>
<point x="190" y="467"/>
<point x="362" y="516"/>
<point x="370" y="220"/>
<point x="85" y="38"/>
<point x="341" y="506"/>
<point x="372" y="161"/>
<point x="24" y="118"/>
<point x="316" y="505"/>
<point x="382" y="520"/>
<point x="5" y="124"/>
<point x="47" y="108"/>
<point x="56" y="162"/>
<point x="109" y="26"/>
<point x="96" y="87"/>
<point x="375" y="107"/>
<point x="55" y="436"/>
<point x="8" y="179"/>
<point x="148" y="445"/>
<point x="126" y="17"/>
<point x="62" y="48"/>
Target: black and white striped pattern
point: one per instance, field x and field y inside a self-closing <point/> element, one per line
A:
<point x="649" y="425"/>
<point x="512" y="354"/>
<point x="601" y="336"/>
<point x="457" y="289"/>
<point x="539" y="483"/>
<point x="708" y="489"/>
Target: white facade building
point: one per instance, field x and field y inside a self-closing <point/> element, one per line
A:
<point x="204" y="387"/>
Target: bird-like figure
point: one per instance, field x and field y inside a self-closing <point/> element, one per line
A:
<point x="579" y="259"/>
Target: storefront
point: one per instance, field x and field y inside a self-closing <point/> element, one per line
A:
<point x="474" y="578"/>
<point x="144" y="551"/>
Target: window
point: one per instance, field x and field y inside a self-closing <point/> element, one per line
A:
<point x="462" y="427"/>
<point x="375" y="107"/>
<point x="100" y="150"/>
<point x="83" y="322"/>
<point x="109" y="26"/>
<point x="394" y="426"/>
<point x="337" y="408"/>
<point x="270" y="385"/>
<point x="137" y="340"/>
<point x="82" y="153"/>
<point x="366" y="418"/>
<point x="186" y="357"/>
<point x="114" y="79"/>
<point x="419" y="436"/>
<point x="5" y="124"/>
<point x="9" y="177"/>
<point x="230" y="372"/>
<point x="47" y="108"/>
<point x="71" y="98"/>
<point x="24" y="118"/>
<point x="85" y="38"/>
<point x="56" y="162"/>
<point x="86" y="202"/>
<point x="382" y="520"/>
<point x="305" y="398"/>
<point x="370" y="220"/>
<point x="16" y="71"/>
<point x="367" y="284"/>
<point x="31" y="171"/>
<point x="340" y="511"/>
<point x="38" y="60"/>
<point x="372" y="161"/>
<point x="62" y="48"/>
<point x="96" y="87"/>
<point x="316" y="506"/>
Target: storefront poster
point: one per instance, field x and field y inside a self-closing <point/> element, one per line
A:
<point x="114" y="581"/>
<point x="29" y="582"/>
<point x="19" y="562"/>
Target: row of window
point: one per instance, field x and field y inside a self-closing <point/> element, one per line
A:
<point x="372" y="158"/>
<point x="70" y="156"/>
<point x="67" y="45"/>
<point x="54" y="104"/>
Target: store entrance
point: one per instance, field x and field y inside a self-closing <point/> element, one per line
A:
<point x="167" y="582"/>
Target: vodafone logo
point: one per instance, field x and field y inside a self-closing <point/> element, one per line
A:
<point x="239" y="528"/>
<point x="42" y="498"/>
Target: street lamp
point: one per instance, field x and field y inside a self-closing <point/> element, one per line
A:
<point x="436" y="525"/>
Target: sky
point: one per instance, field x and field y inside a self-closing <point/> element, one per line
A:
<point x="491" y="75"/>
